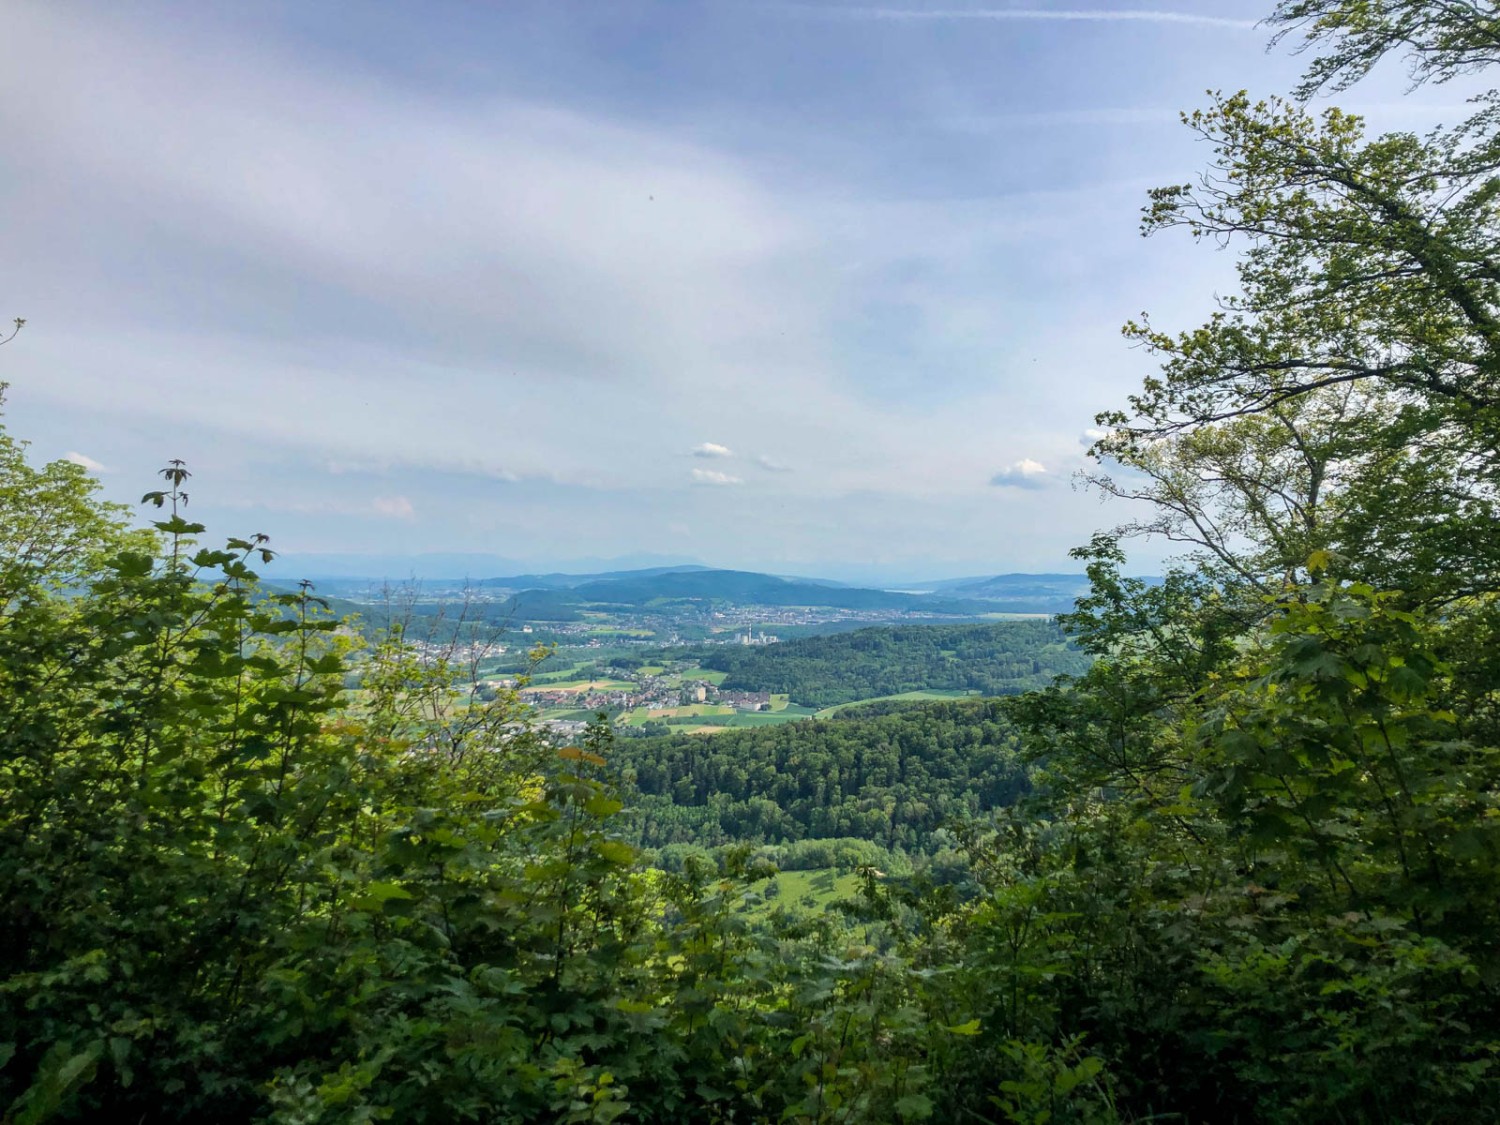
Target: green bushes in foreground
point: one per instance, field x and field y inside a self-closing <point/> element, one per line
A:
<point x="229" y="893"/>
<point x="230" y="890"/>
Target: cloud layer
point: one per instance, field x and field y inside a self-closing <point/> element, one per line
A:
<point x="494" y="289"/>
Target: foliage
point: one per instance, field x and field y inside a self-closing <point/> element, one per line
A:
<point x="1000" y="659"/>
<point x="1294" y="891"/>
<point x="892" y="779"/>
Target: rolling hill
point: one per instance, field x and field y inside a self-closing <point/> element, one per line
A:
<point x="559" y="581"/>
<point x="728" y="586"/>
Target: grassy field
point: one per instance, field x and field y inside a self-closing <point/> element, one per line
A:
<point x="550" y="673"/>
<point x="584" y="685"/>
<point x="642" y="715"/>
<point x="811" y="890"/>
<point x="768" y="718"/>
<point x="692" y="711"/>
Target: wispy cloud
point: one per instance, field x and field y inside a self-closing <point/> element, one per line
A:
<point x="86" y="461"/>
<point x="455" y="466"/>
<point x="394" y="507"/>
<point x="712" y="449"/>
<point x="770" y="465"/>
<point x="1063" y="15"/>
<point x="1025" y="473"/>
<point x="713" y="476"/>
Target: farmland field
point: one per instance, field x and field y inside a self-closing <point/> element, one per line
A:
<point x="813" y="890"/>
<point x="585" y="685"/>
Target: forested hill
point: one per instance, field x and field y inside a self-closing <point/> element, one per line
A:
<point x="1004" y="658"/>
<point x="734" y="586"/>
<point x="889" y="778"/>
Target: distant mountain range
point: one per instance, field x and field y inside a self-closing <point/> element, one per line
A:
<point x="738" y="587"/>
<point x="571" y="581"/>
<point x="559" y="596"/>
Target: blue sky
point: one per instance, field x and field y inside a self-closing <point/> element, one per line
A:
<point x="808" y="288"/>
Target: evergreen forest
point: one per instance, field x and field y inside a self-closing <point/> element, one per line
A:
<point x="1242" y="865"/>
<point x="892" y="778"/>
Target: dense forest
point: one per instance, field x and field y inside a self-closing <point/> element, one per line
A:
<point x="1000" y="659"/>
<point x="1256" y="877"/>
<point x="891" y="778"/>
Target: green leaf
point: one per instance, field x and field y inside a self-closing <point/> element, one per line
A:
<point x="376" y="895"/>
<point x="615" y="852"/>
<point x="60" y="1075"/>
<point x="916" y="1106"/>
<point x="601" y="806"/>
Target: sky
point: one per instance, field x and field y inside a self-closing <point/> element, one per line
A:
<point x="459" y="286"/>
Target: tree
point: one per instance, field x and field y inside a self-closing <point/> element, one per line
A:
<point x="1369" y="288"/>
<point x="54" y="534"/>
<point x="1263" y="830"/>
<point x="1441" y="38"/>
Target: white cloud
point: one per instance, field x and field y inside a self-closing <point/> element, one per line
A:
<point x="394" y="507"/>
<point x="1024" y="473"/>
<point x="712" y="449"/>
<point x="86" y="461"/>
<point x="770" y="465"/>
<point x="712" y="476"/>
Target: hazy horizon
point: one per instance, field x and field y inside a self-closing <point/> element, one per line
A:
<point x="457" y="566"/>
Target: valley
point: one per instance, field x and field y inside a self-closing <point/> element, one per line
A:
<point x="701" y="651"/>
